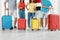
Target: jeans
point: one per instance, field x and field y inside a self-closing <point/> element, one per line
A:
<point x="21" y="13"/>
<point x="30" y="16"/>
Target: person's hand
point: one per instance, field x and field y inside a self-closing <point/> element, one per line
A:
<point x="6" y="9"/>
<point x="50" y="8"/>
<point x="27" y="3"/>
<point x="27" y="9"/>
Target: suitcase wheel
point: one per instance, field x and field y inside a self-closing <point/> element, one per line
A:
<point x="50" y="30"/>
<point x="59" y="29"/>
<point x="32" y="29"/>
<point x="11" y="28"/>
<point x="24" y="29"/>
<point x="3" y="29"/>
<point x="18" y="29"/>
<point x="38" y="29"/>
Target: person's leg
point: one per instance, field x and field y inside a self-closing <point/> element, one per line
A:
<point x="45" y="22"/>
<point x="10" y="14"/>
<point x="29" y="15"/>
<point x="23" y="14"/>
<point x="46" y="19"/>
<point x="41" y="20"/>
<point x="15" y="18"/>
<point x="32" y="15"/>
<point x="15" y="22"/>
<point x="19" y="13"/>
<point x="41" y="16"/>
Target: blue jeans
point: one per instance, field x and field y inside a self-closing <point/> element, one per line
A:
<point x="21" y="13"/>
<point x="30" y="16"/>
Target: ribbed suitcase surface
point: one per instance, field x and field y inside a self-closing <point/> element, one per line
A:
<point x="22" y="23"/>
<point x="6" y="22"/>
<point x="53" y="22"/>
<point x="35" y="24"/>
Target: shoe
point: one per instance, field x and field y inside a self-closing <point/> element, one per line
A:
<point x="15" y="27"/>
<point x="11" y="28"/>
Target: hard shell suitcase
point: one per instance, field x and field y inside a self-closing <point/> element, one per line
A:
<point x="21" y="24"/>
<point x="35" y="24"/>
<point x="37" y="1"/>
<point x="53" y="22"/>
<point x="7" y="22"/>
<point x="59" y="22"/>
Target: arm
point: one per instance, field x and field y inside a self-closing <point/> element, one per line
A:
<point x="26" y="6"/>
<point x="35" y="7"/>
<point x="18" y="6"/>
<point x="15" y="4"/>
<point x="44" y="6"/>
<point x="51" y="7"/>
<point x="5" y="5"/>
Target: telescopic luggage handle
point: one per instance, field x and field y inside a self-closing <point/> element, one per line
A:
<point x="6" y="12"/>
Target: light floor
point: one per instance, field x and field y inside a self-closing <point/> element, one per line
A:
<point x="29" y="35"/>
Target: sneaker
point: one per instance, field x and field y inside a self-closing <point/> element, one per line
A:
<point x="29" y="29"/>
<point x="15" y="27"/>
<point x="11" y="28"/>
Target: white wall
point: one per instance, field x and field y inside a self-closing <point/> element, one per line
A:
<point x="55" y="5"/>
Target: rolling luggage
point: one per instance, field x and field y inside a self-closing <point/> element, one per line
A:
<point x="59" y="22"/>
<point x="21" y="24"/>
<point x="53" y="22"/>
<point x="37" y="1"/>
<point x="7" y="21"/>
<point x="35" y="24"/>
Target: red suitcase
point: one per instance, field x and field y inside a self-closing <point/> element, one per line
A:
<point x="53" y="22"/>
<point x="21" y="24"/>
<point x="37" y="1"/>
<point x="59" y="22"/>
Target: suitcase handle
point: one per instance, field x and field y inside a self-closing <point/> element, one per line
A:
<point x="5" y="11"/>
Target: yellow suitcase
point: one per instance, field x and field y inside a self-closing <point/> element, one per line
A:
<point x="35" y="24"/>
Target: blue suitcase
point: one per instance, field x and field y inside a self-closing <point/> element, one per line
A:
<point x="7" y="22"/>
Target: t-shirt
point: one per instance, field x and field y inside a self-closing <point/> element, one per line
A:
<point x="45" y="3"/>
<point x="21" y="5"/>
<point x="32" y="7"/>
<point x="11" y="4"/>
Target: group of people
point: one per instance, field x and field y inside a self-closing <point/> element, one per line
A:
<point x="31" y="7"/>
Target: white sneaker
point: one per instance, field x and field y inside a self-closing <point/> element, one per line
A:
<point x="29" y="29"/>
